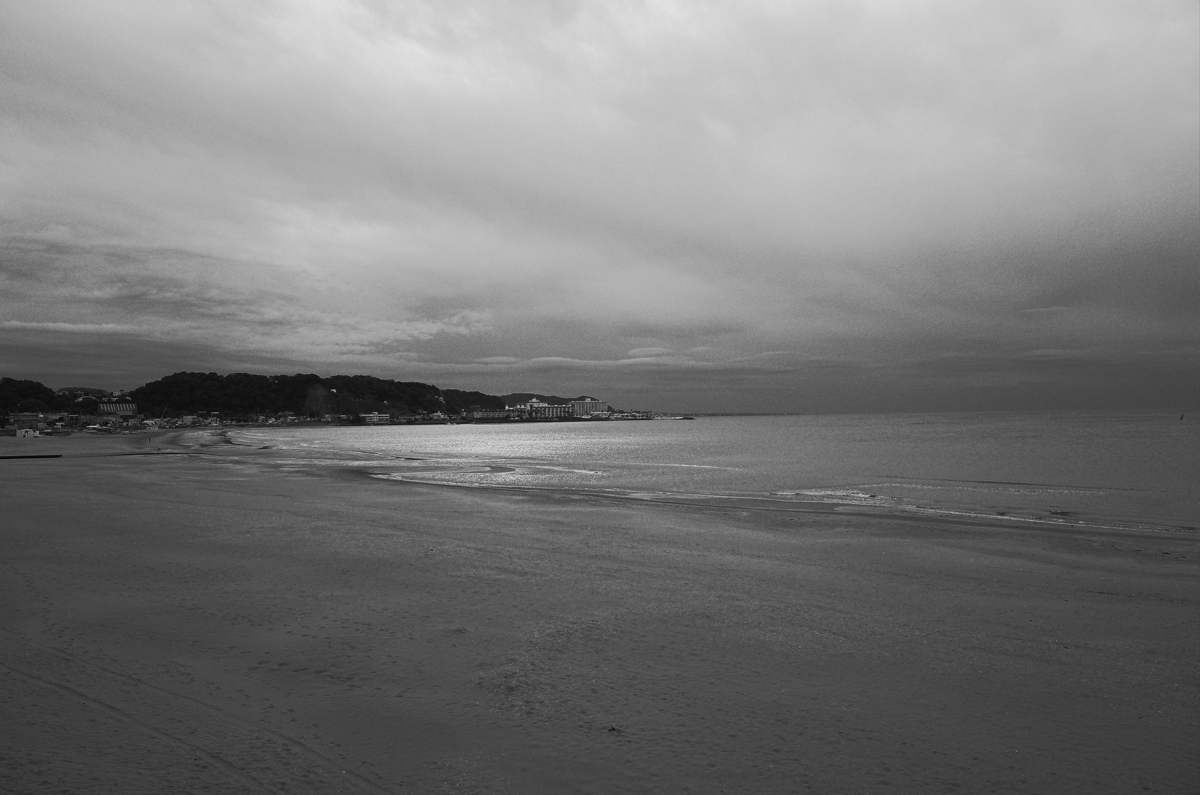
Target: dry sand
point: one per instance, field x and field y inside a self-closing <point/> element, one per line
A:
<point x="207" y="623"/>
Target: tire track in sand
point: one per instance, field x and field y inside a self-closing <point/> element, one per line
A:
<point x="222" y="714"/>
<point x="336" y="778"/>
<point x="212" y="758"/>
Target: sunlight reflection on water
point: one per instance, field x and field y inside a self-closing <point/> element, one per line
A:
<point x="1129" y="466"/>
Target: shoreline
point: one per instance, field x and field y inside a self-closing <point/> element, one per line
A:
<point x="213" y="441"/>
<point x="201" y="617"/>
<point x="780" y="501"/>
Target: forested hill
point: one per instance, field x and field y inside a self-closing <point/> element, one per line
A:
<point x="27" y="396"/>
<point x="304" y="394"/>
<point x="242" y="394"/>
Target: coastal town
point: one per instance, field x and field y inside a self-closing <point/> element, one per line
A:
<point x="73" y="409"/>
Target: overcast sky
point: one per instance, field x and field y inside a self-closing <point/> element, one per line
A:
<point x="774" y="206"/>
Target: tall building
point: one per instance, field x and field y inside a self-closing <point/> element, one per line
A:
<point x="586" y="408"/>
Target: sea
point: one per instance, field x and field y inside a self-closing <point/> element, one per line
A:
<point x="1133" y="470"/>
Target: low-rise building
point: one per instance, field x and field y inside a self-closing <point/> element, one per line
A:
<point x="125" y="409"/>
<point x="27" y="419"/>
<point x="549" y="411"/>
<point x="476" y="413"/>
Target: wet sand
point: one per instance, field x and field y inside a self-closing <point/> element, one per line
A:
<point x="203" y="621"/>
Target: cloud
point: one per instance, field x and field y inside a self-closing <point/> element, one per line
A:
<point x="656" y="186"/>
<point x="71" y="328"/>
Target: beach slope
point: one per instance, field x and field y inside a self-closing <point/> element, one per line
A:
<point x="191" y="620"/>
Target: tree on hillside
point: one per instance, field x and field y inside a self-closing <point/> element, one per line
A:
<point x="458" y="401"/>
<point x="24" y="396"/>
<point x="379" y="394"/>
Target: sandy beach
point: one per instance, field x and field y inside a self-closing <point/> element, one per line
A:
<point x="196" y="620"/>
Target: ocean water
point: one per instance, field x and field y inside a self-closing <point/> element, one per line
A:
<point x="1138" y="469"/>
